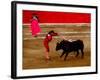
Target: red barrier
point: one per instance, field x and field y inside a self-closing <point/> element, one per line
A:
<point x="56" y="17"/>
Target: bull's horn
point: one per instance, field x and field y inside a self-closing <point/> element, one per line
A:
<point x="58" y="41"/>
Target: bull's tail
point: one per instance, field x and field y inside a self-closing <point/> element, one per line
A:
<point x="82" y="48"/>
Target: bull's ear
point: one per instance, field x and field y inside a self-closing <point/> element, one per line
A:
<point x="63" y="40"/>
<point x="57" y="42"/>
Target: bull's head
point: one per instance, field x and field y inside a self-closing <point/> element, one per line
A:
<point x="58" y="46"/>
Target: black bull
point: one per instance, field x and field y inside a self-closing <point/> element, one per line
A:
<point x="69" y="46"/>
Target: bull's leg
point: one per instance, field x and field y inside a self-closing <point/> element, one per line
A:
<point x="77" y="53"/>
<point x="65" y="56"/>
<point x="82" y="53"/>
<point x="62" y="54"/>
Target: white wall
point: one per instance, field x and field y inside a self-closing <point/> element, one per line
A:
<point x="5" y="40"/>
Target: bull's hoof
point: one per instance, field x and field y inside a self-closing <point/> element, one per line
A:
<point x="64" y="59"/>
<point x="76" y="56"/>
<point x="82" y="57"/>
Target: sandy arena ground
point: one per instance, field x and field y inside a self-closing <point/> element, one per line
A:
<point x="33" y="49"/>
